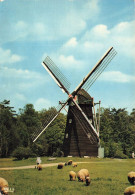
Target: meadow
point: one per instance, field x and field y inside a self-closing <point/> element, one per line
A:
<point x="108" y="177"/>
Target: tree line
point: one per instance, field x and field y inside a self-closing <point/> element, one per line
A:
<point x="117" y="132"/>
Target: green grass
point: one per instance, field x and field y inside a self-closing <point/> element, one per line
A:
<point x="108" y="177"/>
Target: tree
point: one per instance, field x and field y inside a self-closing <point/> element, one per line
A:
<point x="28" y="122"/>
<point x="9" y="138"/>
<point x="54" y="134"/>
<point x="117" y="132"/>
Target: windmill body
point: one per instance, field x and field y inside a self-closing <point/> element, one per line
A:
<point x="76" y="141"/>
<point x="81" y="133"/>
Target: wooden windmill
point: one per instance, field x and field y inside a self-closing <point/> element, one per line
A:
<point x="81" y="135"/>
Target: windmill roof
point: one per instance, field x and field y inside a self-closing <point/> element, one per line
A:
<point x="84" y="97"/>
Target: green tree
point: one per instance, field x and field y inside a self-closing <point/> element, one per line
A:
<point x="28" y="122"/>
<point x="54" y="134"/>
<point x="117" y="132"/>
<point x="9" y="138"/>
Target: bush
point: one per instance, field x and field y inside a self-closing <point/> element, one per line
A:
<point x="119" y="154"/>
<point x="21" y="152"/>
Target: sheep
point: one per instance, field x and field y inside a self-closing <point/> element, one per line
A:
<point x="72" y="176"/>
<point x="74" y="164"/>
<point x="39" y="167"/>
<point x="70" y="162"/>
<point x="60" y="166"/>
<point x="129" y="190"/>
<point x="3" y="186"/>
<point x="88" y="181"/>
<point x="131" y="177"/>
<point x="82" y="174"/>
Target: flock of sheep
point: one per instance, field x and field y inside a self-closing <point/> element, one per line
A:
<point x="82" y="175"/>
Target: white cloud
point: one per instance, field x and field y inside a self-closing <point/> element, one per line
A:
<point x="71" y="42"/>
<point x="100" y="31"/>
<point x="6" y="56"/>
<point x="22" y="79"/>
<point x="72" y="24"/>
<point x="49" y="25"/>
<point x="121" y="36"/>
<point x="42" y="103"/>
<point x="90" y="9"/>
<point x="70" y="62"/>
<point x="117" y="76"/>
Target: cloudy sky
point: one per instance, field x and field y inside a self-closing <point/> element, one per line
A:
<point x="75" y="34"/>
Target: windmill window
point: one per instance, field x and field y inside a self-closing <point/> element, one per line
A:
<point x="91" y="121"/>
<point x="70" y="120"/>
<point x="89" y="135"/>
<point x="66" y="135"/>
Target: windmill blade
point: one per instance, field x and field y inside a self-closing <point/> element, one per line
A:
<point x="47" y="122"/>
<point x="83" y="123"/>
<point x="94" y="132"/>
<point x="96" y="71"/>
<point x="56" y="74"/>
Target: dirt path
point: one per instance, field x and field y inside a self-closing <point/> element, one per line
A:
<point x="33" y="166"/>
<point x="52" y="165"/>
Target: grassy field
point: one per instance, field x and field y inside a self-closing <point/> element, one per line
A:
<point x="108" y="177"/>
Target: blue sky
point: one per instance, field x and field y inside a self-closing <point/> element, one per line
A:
<point x="75" y="34"/>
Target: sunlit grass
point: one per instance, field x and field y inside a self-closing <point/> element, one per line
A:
<point x="108" y="177"/>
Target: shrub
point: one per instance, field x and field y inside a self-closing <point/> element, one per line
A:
<point x="119" y="154"/>
<point x="21" y="152"/>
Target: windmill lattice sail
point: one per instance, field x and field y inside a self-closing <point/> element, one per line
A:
<point x="56" y="74"/>
<point x="96" y="71"/>
<point x="103" y="64"/>
<point x="48" y="120"/>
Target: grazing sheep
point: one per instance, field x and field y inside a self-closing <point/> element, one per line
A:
<point x="72" y="176"/>
<point x="60" y="166"/>
<point x="39" y="167"/>
<point x="3" y="186"/>
<point x="88" y="181"/>
<point x="74" y="164"/>
<point x="82" y="174"/>
<point x="130" y="190"/>
<point x="70" y="162"/>
<point x="131" y="177"/>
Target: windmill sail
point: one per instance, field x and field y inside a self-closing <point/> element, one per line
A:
<point x="96" y="71"/>
<point x="47" y="122"/>
<point x="84" y="124"/>
<point x="56" y="74"/>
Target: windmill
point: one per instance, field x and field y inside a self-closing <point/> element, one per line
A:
<point x="81" y="135"/>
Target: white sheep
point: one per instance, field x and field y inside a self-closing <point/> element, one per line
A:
<point x="82" y="174"/>
<point x="88" y="181"/>
<point x="72" y="176"/>
<point x="74" y="164"/>
<point x="130" y="190"/>
<point x="131" y="177"/>
<point x="60" y="166"/>
<point x="39" y="167"/>
<point x="3" y="186"/>
<point x="70" y="162"/>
